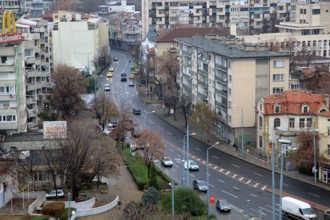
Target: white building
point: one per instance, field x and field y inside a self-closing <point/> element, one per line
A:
<point x="77" y="42"/>
<point x="116" y="6"/>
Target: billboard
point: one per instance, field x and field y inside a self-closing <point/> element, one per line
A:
<point x="55" y="129"/>
<point x="8" y="34"/>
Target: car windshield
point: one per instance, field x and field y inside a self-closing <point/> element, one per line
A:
<point x="308" y="211"/>
<point x="201" y="183"/>
<point x="193" y="163"/>
<point x="223" y="203"/>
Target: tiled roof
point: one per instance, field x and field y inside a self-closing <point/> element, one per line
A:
<point x="291" y="102"/>
<point x="325" y="114"/>
<point x="169" y="35"/>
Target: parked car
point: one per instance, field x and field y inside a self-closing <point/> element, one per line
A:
<point x="200" y="185"/>
<point x="106" y="87"/>
<point x="222" y="205"/>
<point x="193" y="166"/>
<point x="131" y="84"/>
<point x="166" y="162"/>
<point x="52" y="194"/>
<point x="136" y="111"/>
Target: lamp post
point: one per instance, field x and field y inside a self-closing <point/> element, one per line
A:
<point x="184" y="155"/>
<point x="145" y="116"/>
<point x="69" y="205"/>
<point x="207" y="176"/>
<point x="273" y="182"/>
<point x="172" y="187"/>
<point x="314" y="145"/>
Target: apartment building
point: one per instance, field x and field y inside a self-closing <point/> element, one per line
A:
<point x="116" y="6"/>
<point x="250" y="17"/>
<point x="323" y="122"/>
<point x="231" y="79"/>
<point x="78" y="40"/>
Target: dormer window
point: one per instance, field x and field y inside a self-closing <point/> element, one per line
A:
<point x="305" y="109"/>
<point x="277" y="109"/>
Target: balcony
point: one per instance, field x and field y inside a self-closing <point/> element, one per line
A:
<point x="202" y="95"/>
<point x="7" y="51"/>
<point x="202" y="82"/>
<point x="29" y="60"/>
<point x="187" y="86"/>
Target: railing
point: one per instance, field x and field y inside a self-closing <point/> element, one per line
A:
<point x="98" y="210"/>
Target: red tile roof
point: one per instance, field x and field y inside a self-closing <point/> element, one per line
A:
<point x="325" y="114"/>
<point x="169" y="35"/>
<point x="291" y="102"/>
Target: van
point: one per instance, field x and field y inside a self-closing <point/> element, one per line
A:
<point x="297" y="209"/>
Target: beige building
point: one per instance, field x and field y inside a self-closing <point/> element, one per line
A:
<point x="323" y="123"/>
<point x="78" y="41"/>
<point x="231" y="79"/>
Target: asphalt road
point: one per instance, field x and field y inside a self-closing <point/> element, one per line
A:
<point x="242" y="184"/>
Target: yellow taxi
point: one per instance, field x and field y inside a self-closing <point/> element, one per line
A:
<point x="109" y="74"/>
<point x="131" y="76"/>
<point x="111" y="69"/>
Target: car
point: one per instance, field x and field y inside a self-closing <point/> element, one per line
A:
<point x="222" y="205"/>
<point x="123" y="77"/>
<point x="200" y="185"/>
<point x="166" y="162"/>
<point x="131" y="84"/>
<point x="109" y="74"/>
<point x="111" y="69"/>
<point x="106" y="131"/>
<point x="136" y="111"/>
<point x="52" y="194"/>
<point x="112" y="124"/>
<point x="115" y="59"/>
<point x="131" y="76"/>
<point x="193" y="166"/>
<point x="106" y="87"/>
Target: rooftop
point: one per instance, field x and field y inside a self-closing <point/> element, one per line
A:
<point x="226" y="50"/>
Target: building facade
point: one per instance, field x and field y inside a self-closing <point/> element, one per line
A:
<point x="324" y="145"/>
<point x="231" y="79"/>
<point x="77" y="41"/>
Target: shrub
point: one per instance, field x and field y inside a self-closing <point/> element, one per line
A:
<point x="29" y="217"/>
<point x="64" y="215"/>
<point x="53" y="209"/>
<point x="153" y="178"/>
<point x="151" y="196"/>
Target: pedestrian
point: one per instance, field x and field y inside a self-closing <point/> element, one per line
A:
<point x="119" y="204"/>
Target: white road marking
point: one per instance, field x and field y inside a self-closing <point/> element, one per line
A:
<point x="152" y="122"/>
<point x="221" y="181"/>
<point x="169" y="133"/>
<point x="266" y="209"/>
<point x="258" y="174"/>
<point x="212" y="185"/>
<point x="198" y="149"/>
<point x="255" y="185"/>
<point x="175" y="165"/>
<point x="234" y="175"/>
<point x="215" y="157"/>
<point x="221" y="170"/>
<point x="215" y="167"/>
<point x="228" y="172"/>
<point x="314" y="195"/>
<point x="229" y="194"/>
<point x="253" y="195"/>
<point x="263" y="188"/>
<point x="248" y="182"/>
<point x="191" y="175"/>
<point x="234" y="165"/>
<point x="285" y="184"/>
<point x="240" y="179"/>
<point x="171" y="150"/>
<point x="236" y="188"/>
<point x="160" y="128"/>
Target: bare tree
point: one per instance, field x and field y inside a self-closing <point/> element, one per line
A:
<point x="83" y="154"/>
<point x="69" y="84"/>
<point x="53" y="159"/>
<point x="152" y="145"/>
<point x="204" y="116"/>
<point x="104" y="109"/>
<point x="186" y="108"/>
<point x="168" y="67"/>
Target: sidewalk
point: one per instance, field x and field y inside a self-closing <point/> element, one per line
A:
<point x="250" y="156"/>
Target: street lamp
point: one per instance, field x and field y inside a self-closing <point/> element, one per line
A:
<point x="69" y="205"/>
<point x="207" y="176"/>
<point x="184" y="153"/>
<point x="145" y="116"/>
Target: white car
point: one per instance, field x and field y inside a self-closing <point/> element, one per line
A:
<point x="52" y="194"/>
<point x="106" y="87"/>
<point x="166" y="162"/>
<point x="193" y="166"/>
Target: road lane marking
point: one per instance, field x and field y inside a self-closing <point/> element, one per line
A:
<point x="228" y="172"/>
<point x="258" y="174"/>
<point x="314" y="195"/>
<point x="160" y="128"/>
<point x="175" y="165"/>
<point x="248" y="182"/>
<point x="240" y="179"/>
<point x="253" y="195"/>
<point x="263" y="188"/>
<point x="198" y="149"/>
<point x="266" y="209"/>
<point x="234" y="165"/>
<point x="285" y="184"/>
<point x="229" y="194"/>
<point x="191" y="175"/>
<point x="236" y="188"/>
<point x="216" y="157"/>
<point x="221" y="170"/>
<point x="212" y="185"/>
<point x="221" y="181"/>
<point x="215" y="167"/>
<point x="255" y="185"/>
<point x="234" y="175"/>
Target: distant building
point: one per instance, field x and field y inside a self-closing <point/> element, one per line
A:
<point x="79" y="41"/>
<point x="116" y="6"/>
<point x="217" y="72"/>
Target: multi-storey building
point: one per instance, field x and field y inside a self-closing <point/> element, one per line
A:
<point x="77" y="40"/>
<point x="120" y="6"/>
<point x="124" y="29"/>
<point x="323" y="121"/>
<point x="231" y="79"/>
<point x="250" y="17"/>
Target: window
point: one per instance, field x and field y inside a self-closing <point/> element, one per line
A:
<point x="305" y="109"/>
<point x="277" y="122"/>
<point x="328" y="150"/>
<point x="301" y="122"/>
<point x="316" y="11"/>
<point x="309" y="122"/>
<point x="328" y="130"/>
<point x="277" y="89"/>
<point x="260" y="141"/>
<point x="278" y="77"/>
<point x="277" y="109"/>
<point x="3" y="59"/>
<point x="278" y="64"/>
<point x="295" y="86"/>
<point x="260" y="122"/>
<point x="291" y="122"/>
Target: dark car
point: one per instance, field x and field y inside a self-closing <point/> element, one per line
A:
<point x="131" y="84"/>
<point x="166" y="162"/>
<point x="222" y="205"/>
<point x="123" y="77"/>
<point x="136" y="111"/>
<point x="115" y="59"/>
<point x="200" y="185"/>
